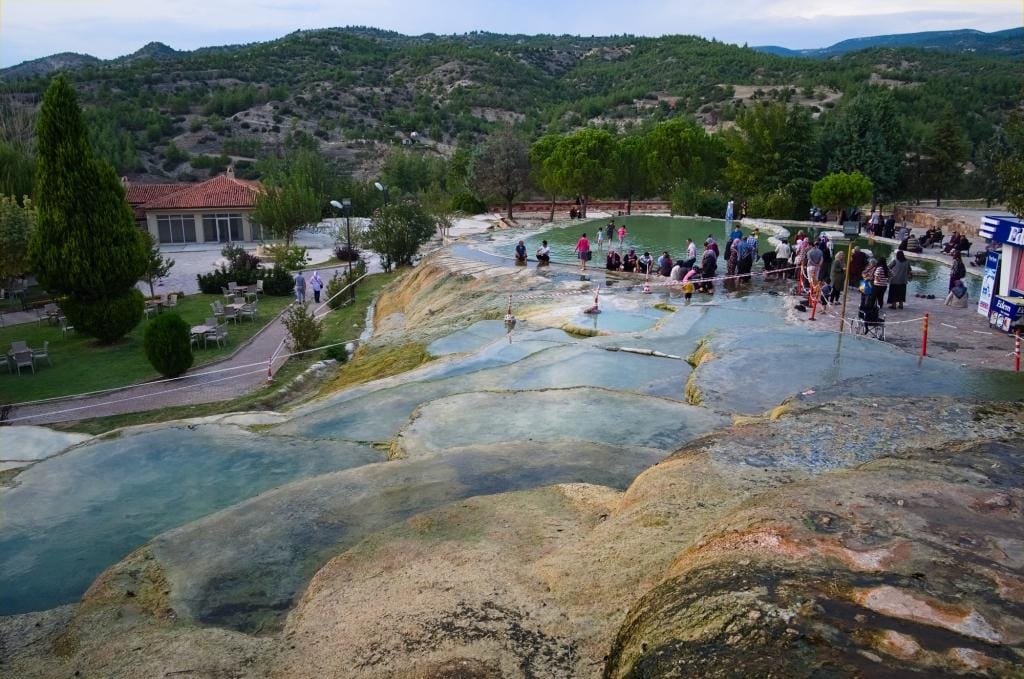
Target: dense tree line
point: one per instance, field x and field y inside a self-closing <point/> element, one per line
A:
<point x="365" y="84"/>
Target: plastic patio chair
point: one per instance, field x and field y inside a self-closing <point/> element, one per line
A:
<point x="248" y="311"/>
<point x="172" y="301"/>
<point x="64" y="327"/>
<point x="43" y="353"/>
<point x="23" y="359"/>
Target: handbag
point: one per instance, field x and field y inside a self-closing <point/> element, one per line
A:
<point x="865" y="287"/>
<point x="588" y="255"/>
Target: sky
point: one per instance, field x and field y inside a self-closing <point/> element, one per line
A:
<point x="111" y="28"/>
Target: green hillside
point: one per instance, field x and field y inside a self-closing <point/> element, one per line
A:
<point x="161" y="112"/>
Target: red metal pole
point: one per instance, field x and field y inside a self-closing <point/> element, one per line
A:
<point x="924" y="337"/>
<point x="1016" y="352"/>
<point x="814" y="304"/>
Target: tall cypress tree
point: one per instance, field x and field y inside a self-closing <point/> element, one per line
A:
<point x="86" y="245"/>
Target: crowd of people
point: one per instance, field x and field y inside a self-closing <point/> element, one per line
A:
<point x="821" y="270"/>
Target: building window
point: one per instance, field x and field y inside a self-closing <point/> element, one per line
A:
<point x="257" y="231"/>
<point x="222" y="228"/>
<point x="176" y="228"/>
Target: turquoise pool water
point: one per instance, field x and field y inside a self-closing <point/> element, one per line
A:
<point x="653" y="234"/>
<point x="71" y="516"/>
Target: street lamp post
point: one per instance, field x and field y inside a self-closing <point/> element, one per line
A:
<point x="345" y="207"/>
<point x="383" y="189"/>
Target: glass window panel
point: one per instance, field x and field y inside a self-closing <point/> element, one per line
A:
<point x="210" y="228"/>
<point x="188" y="224"/>
<point x="236" y="227"/>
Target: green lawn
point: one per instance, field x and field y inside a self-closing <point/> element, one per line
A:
<point x="340" y="324"/>
<point x="347" y="322"/>
<point x="81" y="365"/>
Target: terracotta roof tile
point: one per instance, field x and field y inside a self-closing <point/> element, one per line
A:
<point x="220" y="192"/>
<point x="137" y="194"/>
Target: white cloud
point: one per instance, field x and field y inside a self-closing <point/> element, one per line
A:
<point x="108" y="28"/>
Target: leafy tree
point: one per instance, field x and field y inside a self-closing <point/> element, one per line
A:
<point x="286" y="208"/>
<point x="157" y="266"/>
<point x="632" y="169"/>
<point x="17" y="223"/>
<point x="946" y="150"/>
<point x="582" y="163"/>
<point x="17" y="171"/>
<point x="1011" y="169"/>
<point x="408" y="173"/>
<point x="396" y="233"/>
<point x="168" y="345"/>
<point x="86" y="245"/>
<point x="771" y="148"/>
<point x="543" y="174"/>
<point x="440" y="206"/>
<point x="866" y="136"/>
<point x="841" y="190"/>
<point x="303" y="326"/>
<point x="989" y="157"/>
<point x="500" y="167"/>
<point x="680" y="150"/>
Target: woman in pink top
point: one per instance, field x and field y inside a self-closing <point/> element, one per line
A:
<point x="622" y="235"/>
<point x="583" y="251"/>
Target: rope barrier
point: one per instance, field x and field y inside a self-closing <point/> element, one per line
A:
<point x="164" y="391"/>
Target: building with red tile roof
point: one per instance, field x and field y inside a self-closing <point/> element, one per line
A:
<point x="216" y="210"/>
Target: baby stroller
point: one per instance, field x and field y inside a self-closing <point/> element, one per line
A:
<point x="871" y="320"/>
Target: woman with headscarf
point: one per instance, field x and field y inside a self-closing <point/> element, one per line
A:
<point x="732" y="262"/>
<point x="899" y="276"/>
<point x="826" y="262"/>
<point x="317" y="284"/>
<point x="838" y="277"/>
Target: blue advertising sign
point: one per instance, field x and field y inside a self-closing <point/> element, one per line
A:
<point x="988" y="284"/>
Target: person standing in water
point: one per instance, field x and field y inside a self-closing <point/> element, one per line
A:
<point x="609" y="231"/>
<point x="600" y="239"/>
<point x="622" y="235"/>
<point x="583" y="251"/>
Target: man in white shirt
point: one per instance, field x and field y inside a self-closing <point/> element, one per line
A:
<point x="691" y="254"/>
<point x="782" y="255"/>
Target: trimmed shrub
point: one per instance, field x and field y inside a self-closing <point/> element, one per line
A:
<point x="107" y="319"/>
<point x="344" y="254"/>
<point x="338" y="352"/>
<point x="468" y="204"/>
<point x="302" y="325"/>
<point x="168" y="345"/>
<point x="278" y="282"/>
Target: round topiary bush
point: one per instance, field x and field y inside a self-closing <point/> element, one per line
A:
<point x="168" y="345"/>
<point x="108" y="319"/>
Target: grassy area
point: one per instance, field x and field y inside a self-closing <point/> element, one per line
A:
<point x="341" y="324"/>
<point x="373" y="365"/>
<point x="82" y="365"/>
<point x="347" y="322"/>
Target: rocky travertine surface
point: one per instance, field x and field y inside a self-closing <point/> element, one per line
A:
<point x="742" y="553"/>
<point x="547" y="505"/>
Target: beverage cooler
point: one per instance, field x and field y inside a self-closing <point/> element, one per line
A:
<point x="1007" y="313"/>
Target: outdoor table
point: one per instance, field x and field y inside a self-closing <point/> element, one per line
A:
<point x="235" y="306"/>
<point x="201" y="330"/>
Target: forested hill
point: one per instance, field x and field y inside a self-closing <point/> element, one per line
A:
<point x="1008" y="43"/>
<point x="164" y="112"/>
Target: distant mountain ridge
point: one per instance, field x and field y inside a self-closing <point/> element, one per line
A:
<point x="1009" y="43"/>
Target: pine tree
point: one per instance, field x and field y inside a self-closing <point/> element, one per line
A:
<point x="946" y="150"/>
<point x="866" y="136"/>
<point x="86" y="246"/>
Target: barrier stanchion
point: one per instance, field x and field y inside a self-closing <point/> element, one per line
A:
<point x="924" y="337"/>
<point x="814" y="304"/>
<point x="1016" y="352"/>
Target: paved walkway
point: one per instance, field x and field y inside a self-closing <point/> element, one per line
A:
<point x="219" y="381"/>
